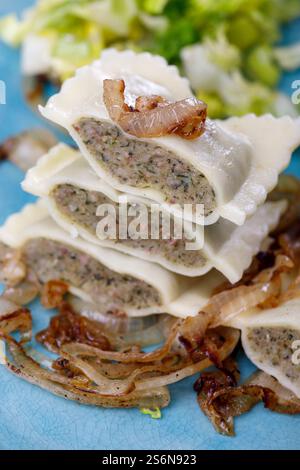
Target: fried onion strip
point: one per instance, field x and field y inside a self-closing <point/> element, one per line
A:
<point x="154" y="116"/>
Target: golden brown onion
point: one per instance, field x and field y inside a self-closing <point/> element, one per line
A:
<point x="153" y="116"/>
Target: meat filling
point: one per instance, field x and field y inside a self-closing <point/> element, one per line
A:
<point x="143" y="164"/>
<point x="110" y="290"/>
<point x="80" y="206"/>
<point x="275" y="347"/>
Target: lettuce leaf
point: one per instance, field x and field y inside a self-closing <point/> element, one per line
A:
<point x="78" y="30"/>
<point x="288" y="57"/>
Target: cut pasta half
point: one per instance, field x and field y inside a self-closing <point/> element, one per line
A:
<point x="228" y="170"/>
<point x="114" y="281"/>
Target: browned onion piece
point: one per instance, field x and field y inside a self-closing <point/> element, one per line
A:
<point x="114" y="99"/>
<point x="26" y="148"/>
<point x="193" y="330"/>
<point x="75" y="388"/>
<point x="282" y="400"/>
<point x="221" y="399"/>
<point x="225" y="306"/>
<point x="137" y="376"/>
<point x="292" y="291"/>
<point x="7" y="306"/>
<point x="23" y="293"/>
<point x="147" y="103"/>
<point x="231" y="338"/>
<point x="263" y="290"/>
<point x="113" y="370"/>
<point x="154" y="117"/>
<point x="79" y="387"/>
<point x="12" y="266"/>
<point x="53" y="293"/>
<point x="25" y="362"/>
<point x="15" y="318"/>
<point x="123" y="330"/>
<point x="125" y="357"/>
<point x="69" y="327"/>
<point x="289" y="241"/>
<point x="108" y="386"/>
<point x="21" y="284"/>
<point x="152" y="398"/>
<point x="186" y="327"/>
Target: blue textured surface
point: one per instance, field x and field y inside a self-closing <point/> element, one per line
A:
<point x="31" y="418"/>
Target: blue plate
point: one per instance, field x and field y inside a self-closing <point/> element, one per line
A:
<point x="31" y="418"/>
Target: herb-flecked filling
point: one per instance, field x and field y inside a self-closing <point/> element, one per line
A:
<point x="141" y="164"/>
<point x="52" y="260"/>
<point x="80" y="207"/>
<point x="274" y="346"/>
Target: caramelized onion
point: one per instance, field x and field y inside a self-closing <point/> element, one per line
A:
<point x="284" y="401"/>
<point x="124" y="357"/>
<point x="221" y="399"/>
<point x="12" y="266"/>
<point x="225" y="306"/>
<point x="53" y="293"/>
<point x="138" y="376"/>
<point x="78" y="388"/>
<point x="69" y="327"/>
<point x="289" y="241"/>
<point x="153" y="116"/>
<point x="7" y="307"/>
<point x="123" y="330"/>
<point x="231" y="338"/>
<point x="292" y="291"/>
<point x="15" y="318"/>
<point x="264" y="290"/>
<point x="147" y="103"/>
<point x="23" y="293"/>
<point x="26" y="148"/>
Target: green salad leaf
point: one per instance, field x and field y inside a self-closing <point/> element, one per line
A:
<point x="288" y="57"/>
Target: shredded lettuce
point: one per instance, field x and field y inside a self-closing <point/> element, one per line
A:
<point x="12" y="31"/>
<point x="222" y="85"/>
<point x="154" y="6"/>
<point x="261" y="66"/>
<point x="78" y="30"/>
<point x="222" y="53"/>
<point x="288" y="57"/>
<point x="233" y="39"/>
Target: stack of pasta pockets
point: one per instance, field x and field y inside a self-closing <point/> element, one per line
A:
<point x="228" y="171"/>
